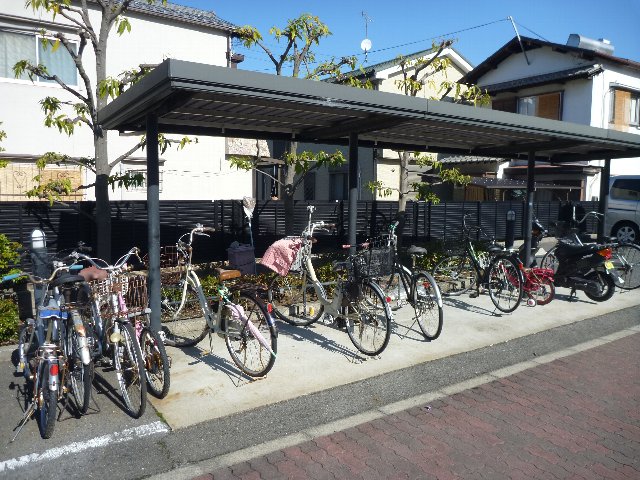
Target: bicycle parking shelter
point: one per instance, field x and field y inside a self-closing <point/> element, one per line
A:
<point x="182" y="97"/>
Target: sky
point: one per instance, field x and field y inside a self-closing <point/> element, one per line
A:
<point x="479" y="27"/>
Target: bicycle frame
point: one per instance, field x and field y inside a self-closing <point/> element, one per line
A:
<point x="213" y="318"/>
<point x="404" y="273"/>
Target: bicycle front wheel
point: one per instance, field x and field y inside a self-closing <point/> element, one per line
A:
<point x="427" y="305"/>
<point x="455" y="275"/>
<point x="129" y="366"/>
<point x="368" y="317"/>
<point x="250" y="335"/>
<point x="549" y="260"/>
<point x="48" y="402"/>
<point x="183" y="319"/>
<point x="156" y="362"/>
<point x="294" y="299"/>
<point x="80" y="375"/>
<point x="626" y="263"/>
<point x="505" y="284"/>
<point x="393" y="288"/>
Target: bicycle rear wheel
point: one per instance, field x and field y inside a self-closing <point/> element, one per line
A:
<point x="294" y="299"/>
<point x="427" y="305"/>
<point x="156" y="362"/>
<point x="505" y="284"/>
<point x="545" y="292"/>
<point x="626" y="263"/>
<point x="129" y="366"/>
<point x="249" y="334"/>
<point x="80" y="375"/>
<point x="48" y="400"/>
<point x="368" y="318"/>
<point x="183" y="323"/>
<point x="455" y="275"/>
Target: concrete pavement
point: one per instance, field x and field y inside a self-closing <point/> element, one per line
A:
<point x="208" y="386"/>
<point x="318" y="385"/>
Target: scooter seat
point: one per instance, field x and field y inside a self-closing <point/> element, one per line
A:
<point x="570" y="249"/>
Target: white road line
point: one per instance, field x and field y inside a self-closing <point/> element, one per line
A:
<point x="117" y="437"/>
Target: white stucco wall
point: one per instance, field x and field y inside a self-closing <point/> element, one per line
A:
<point x="585" y="101"/>
<point x="197" y="172"/>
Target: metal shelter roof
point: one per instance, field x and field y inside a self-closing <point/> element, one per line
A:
<point x="209" y="100"/>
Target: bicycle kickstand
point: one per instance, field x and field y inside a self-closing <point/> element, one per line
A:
<point x="23" y="421"/>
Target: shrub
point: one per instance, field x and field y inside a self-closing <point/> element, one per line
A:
<point x="9" y="321"/>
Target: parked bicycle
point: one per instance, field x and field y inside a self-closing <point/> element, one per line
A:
<point x="53" y="350"/>
<point x="624" y="262"/>
<point x="299" y="298"/>
<point x="462" y="271"/>
<point x="408" y="286"/>
<point x="238" y="315"/>
<point x="110" y="324"/>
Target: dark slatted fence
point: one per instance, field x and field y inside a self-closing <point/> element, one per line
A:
<point x="65" y="225"/>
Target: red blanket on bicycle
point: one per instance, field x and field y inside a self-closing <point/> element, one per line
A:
<point x="281" y="254"/>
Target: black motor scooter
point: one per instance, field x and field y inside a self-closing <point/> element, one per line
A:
<point x="587" y="268"/>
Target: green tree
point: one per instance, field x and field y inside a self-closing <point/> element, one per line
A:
<point x="417" y="74"/>
<point x="297" y="39"/>
<point x="67" y="115"/>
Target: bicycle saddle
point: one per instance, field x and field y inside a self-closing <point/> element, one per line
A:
<point x="495" y="248"/>
<point x="414" y="250"/>
<point x="227" y="274"/>
<point x="66" y="278"/>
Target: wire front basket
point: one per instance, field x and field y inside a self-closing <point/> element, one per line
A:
<point x="134" y="293"/>
<point x="374" y="261"/>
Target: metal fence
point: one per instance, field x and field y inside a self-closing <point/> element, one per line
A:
<point x="65" y="225"/>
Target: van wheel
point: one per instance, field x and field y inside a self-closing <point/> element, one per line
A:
<point x="626" y="232"/>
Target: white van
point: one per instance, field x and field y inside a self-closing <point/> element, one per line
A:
<point x="623" y="208"/>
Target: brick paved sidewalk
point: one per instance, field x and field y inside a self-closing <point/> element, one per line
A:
<point x="577" y="417"/>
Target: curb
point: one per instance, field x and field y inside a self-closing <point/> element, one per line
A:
<point x="206" y="466"/>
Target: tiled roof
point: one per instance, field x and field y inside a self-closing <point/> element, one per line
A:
<point x="513" y="47"/>
<point x="585" y="71"/>
<point x="182" y="14"/>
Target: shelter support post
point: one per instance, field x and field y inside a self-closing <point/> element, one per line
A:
<point x="528" y="208"/>
<point x="153" y="219"/>
<point x="604" y="196"/>
<point x="353" y="189"/>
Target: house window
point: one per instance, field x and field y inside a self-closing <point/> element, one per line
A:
<point x="310" y="186"/>
<point x="339" y="186"/>
<point x="626" y="189"/>
<point x="22" y="46"/>
<point x="505" y="105"/>
<point x="625" y="108"/>
<point x="143" y="185"/>
<point x="266" y="186"/>
<point x="544" y="106"/>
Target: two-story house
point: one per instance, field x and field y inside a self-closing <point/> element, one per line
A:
<point x="581" y="81"/>
<point x="158" y="31"/>
<point x="374" y="164"/>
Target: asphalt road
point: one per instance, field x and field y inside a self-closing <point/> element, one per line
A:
<point x="108" y="444"/>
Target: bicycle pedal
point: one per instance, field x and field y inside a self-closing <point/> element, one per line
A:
<point x="20" y="368"/>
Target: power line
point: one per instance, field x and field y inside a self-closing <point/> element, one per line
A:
<point x="536" y="34"/>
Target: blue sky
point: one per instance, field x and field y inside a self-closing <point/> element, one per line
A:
<point x="480" y="28"/>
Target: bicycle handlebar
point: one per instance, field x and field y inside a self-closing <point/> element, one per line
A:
<point x="37" y="280"/>
<point x="592" y="213"/>
<point x="119" y="265"/>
